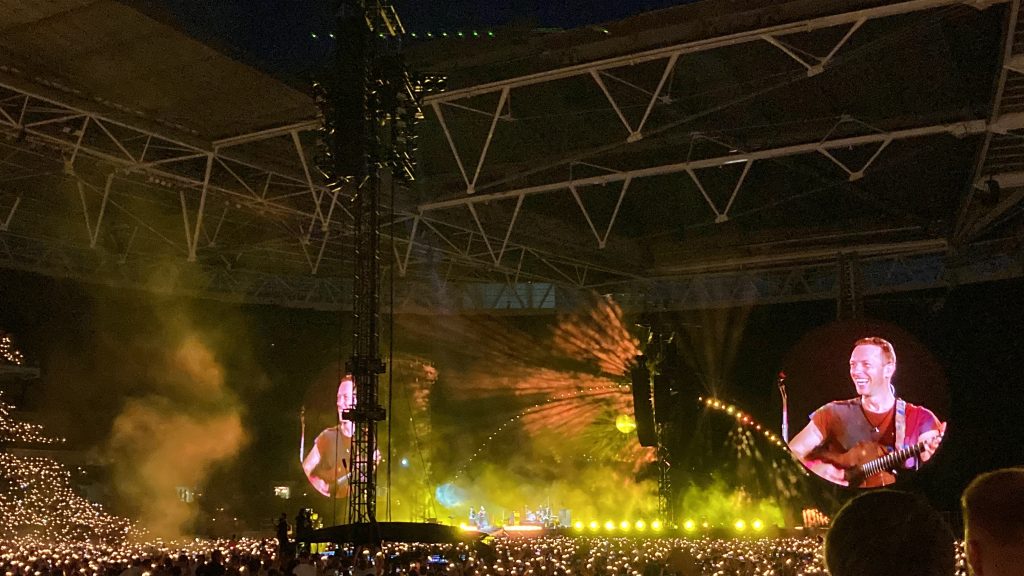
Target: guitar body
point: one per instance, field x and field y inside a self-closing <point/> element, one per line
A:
<point x="853" y="460"/>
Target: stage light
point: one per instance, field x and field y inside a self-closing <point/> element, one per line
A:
<point x="641" y="525"/>
<point x="609" y="526"/>
<point x="578" y="525"/>
<point x="656" y="525"/>
<point x="594" y="525"/>
<point x="740" y="525"/>
<point x="689" y="525"/>
<point x="625" y="525"/>
<point x="625" y="424"/>
<point x="405" y="462"/>
<point x="757" y="525"/>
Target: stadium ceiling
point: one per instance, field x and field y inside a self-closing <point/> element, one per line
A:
<point x="681" y="158"/>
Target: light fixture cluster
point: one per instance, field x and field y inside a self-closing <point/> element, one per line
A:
<point x="742" y="418"/>
<point x="463" y="34"/>
<point x="8" y="353"/>
<point x="621" y="527"/>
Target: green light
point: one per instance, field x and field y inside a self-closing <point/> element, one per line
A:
<point x="578" y="525"/>
<point x="460" y="34"/>
<point x="689" y="525"/>
<point x="656" y="525"/>
<point x="476" y="34"/>
<point x="491" y="34"/>
<point x="640" y="525"/>
<point x="757" y="525"/>
<point x="445" y="34"/>
<point x="594" y="525"/>
<point x="740" y="525"/>
<point x="609" y="526"/>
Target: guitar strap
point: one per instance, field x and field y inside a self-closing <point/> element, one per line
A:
<point x="901" y="423"/>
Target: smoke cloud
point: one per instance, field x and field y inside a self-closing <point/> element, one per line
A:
<point x="174" y="435"/>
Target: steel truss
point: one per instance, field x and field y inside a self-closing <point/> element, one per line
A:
<point x="599" y="70"/>
<point x="999" y="159"/>
<point x="213" y="182"/>
<point x="881" y="273"/>
<point x="210" y="184"/>
<point x="252" y="222"/>
<point x="476" y="191"/>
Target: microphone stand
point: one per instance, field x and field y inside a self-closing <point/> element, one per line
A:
<point x="785" y="408"/>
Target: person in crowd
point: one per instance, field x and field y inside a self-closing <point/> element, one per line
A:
<point x="993" y="507"/>
<point x="305" y="567"/>
<point x="887" y="532"/>
<point x="282" y="534"/>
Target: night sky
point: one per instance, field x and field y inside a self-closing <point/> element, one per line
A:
<point x="290" y="38"/>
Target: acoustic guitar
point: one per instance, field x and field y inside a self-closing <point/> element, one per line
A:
<point x="871" y="465"/>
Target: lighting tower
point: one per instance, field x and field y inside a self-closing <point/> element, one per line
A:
<point x="366" y="145"/>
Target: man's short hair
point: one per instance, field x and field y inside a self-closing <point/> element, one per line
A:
<point x="889" y="532"/>
<point x="888" y="352"/>
<point x="994" y="502"/>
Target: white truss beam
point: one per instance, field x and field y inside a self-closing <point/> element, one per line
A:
<point x="602" y="240"/>
<point x="306" y="126"/>
<point x="636" y="134"/>
<point x="808" y="25"/>
<point x="439" y="112"/>
<point x="94" y="229"/>
<point x="10" y="214"/>
<point x="161" y="153"/>
<point x="972" y="219"/>
<point x="817" y="67"/>
<point x="192" y="233"/>
<point x="450" y="234"/>
<point x="957" y="130"/>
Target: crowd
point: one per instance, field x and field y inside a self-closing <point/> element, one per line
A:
<point x="551" y="556"/>
<point x="879" y="532"/>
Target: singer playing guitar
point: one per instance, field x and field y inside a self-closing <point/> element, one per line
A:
<point x="846" y="440"/>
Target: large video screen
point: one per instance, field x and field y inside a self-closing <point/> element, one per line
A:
<point x="326" y="464"/>
<point x="867" y="403"/>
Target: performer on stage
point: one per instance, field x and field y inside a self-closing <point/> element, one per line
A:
<point x="845" y="434"/>
<point x="326" y="465"/>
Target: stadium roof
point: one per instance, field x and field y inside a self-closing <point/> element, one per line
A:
<point x="708" y="154"/>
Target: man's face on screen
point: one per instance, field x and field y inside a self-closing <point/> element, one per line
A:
<point x="346" y="395"/>
<point x="869" y="370"/>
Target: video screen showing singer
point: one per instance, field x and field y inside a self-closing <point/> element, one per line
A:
<point x="866" y="440"/>
<point x="326" y="465"/>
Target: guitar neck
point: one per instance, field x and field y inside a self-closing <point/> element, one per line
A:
<point x="892" y="459"/>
